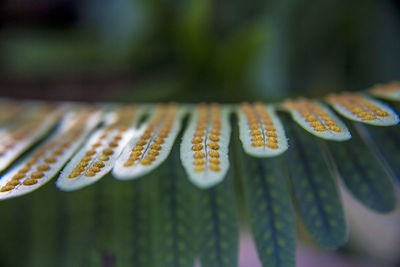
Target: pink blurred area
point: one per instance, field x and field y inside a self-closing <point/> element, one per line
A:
<point x="306" y="256"/>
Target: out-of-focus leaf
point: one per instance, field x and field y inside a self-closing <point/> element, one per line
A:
<point x="47" y="225"/>
<point x="174" y="217"/>
<point x="97" y="157"/>
<point x="317" y="119"/>
<point x="28" y="128"/>
<point x="42" y="164"/>
<point x="315" y="193"/>
<point x="363" y="173"/>
<point x="362" y="108"/>
<point x="389" y="91"/>
<point x="386" y="141"/>
<point x="269" y="208"/>
<point x="218" y="231"/>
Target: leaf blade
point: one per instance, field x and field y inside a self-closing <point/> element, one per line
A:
<point x="315" y="193"/>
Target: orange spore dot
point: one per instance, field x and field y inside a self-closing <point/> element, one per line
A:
<point x="197" y="140"/>
<point x="103" y="157"/>
<point x="213" y="145"/>
<point x="29" y="181"/>
<point x="197" y="147"/>
<point x="199" y="155"/>
<point x="213" y="153"/>
<point x="199" y="162"/>
<point x="257" y="143"/>
<point x="108" y="151"/>
<point x="155" y="146"/>
<point x="214" y="167"/>
<point x="43" y="167"/>
<point x="98" y="164"/>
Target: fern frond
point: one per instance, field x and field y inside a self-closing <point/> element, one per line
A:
<point x="175" y="222"/>
<point x="363" y="173"/>
<point x="269" y="209"/>
<point x="385" y="141"/>
<point x="218" y="231"/>
<point x="314" y="190"/>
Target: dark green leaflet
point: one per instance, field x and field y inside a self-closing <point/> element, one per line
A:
<point x="315" y="193"/>
<point x="14" y="222"/>
<point x="79" y="230"/>
<point x="46" y="236"/>
<point x="132" y="237"/>
<point x="363" y="173"/>
<point x="123" y="224"/>
<point x="387" y="141"/>
<point x="218" y="231"/>
<point x="174" y="220"/>
<point x="270" y="210"/>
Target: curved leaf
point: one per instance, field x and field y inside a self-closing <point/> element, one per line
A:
<point x="315" y="192"/>
<point x="363" y="173"/>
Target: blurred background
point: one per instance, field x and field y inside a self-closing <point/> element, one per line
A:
<point x="191" y="50"/>
<point x="202" y="50"/>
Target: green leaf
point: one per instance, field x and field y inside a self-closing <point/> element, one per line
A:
<point x="270" y="210"/>
<point x="79" y="230"/>
<point x="386" y="142"/>
<point x="363" y="173"/>
<point x="46" y="223"/>
<point x="174" y="218"/>
<point x="315" y="193"/>
<point x="218" y="231"/>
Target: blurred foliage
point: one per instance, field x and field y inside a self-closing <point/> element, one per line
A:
<point x="210" y="50"/>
